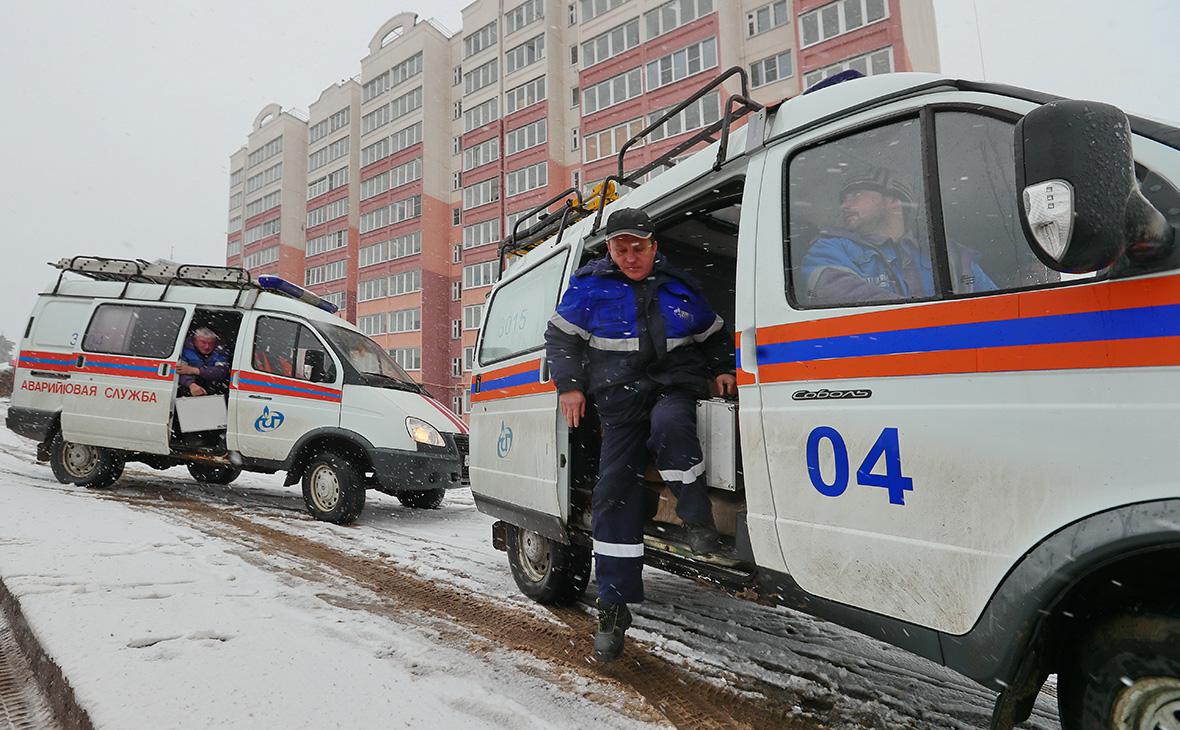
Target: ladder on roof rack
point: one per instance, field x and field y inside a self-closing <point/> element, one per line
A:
<point x="138" y="271"/>
<point x="737" y="106"/>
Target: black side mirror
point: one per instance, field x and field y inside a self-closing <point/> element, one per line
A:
<point x="315" y="363"/>
<point x="1079" y="200"/>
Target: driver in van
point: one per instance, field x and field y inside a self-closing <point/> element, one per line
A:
<point x="204" y="364"/>
<point x="876" y="257"/>
<point x="640" y="337"/>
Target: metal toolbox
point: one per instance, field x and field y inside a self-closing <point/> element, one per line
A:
<point x="717" y="430"/>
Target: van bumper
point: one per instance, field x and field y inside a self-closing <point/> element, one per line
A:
<point x="427" y="468"/>
<point x="30" y="422"/>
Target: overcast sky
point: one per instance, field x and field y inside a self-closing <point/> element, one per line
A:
<point x="119" y="117"/>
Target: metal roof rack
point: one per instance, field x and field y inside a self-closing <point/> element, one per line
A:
<point x="138" y="271"/>
<point x="575" y="208"/>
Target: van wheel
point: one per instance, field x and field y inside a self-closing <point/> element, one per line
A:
<point x="214" y="473"/>
<point x="546" y="570"/>
<point x="1125" y="673"/>
<point x="85" y="466"/>
<point x="332" y="489"/>
<point x="421" y="498"/>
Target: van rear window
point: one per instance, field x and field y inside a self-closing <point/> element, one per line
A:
<point x="517" y="315"/>
<point x="139" y="331"/>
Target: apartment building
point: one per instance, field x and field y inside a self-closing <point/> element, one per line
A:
<point x="403" y="219"/>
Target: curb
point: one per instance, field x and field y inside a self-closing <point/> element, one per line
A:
<point x="53" y="684"/>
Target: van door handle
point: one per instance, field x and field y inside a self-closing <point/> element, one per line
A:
<point x="544" y="370"/>
<point x="259" y="397"/>
<point x="748" y="350"/>
<point x="80" y="362"/>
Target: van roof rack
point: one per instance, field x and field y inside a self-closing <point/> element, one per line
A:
<point x="138" y="271"/>
<point x="737" y="106"/>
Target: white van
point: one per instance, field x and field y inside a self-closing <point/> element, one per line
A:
<point x="984" y="476"/>
<point x="97" y="386"/>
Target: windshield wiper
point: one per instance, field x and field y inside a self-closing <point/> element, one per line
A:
<point x="395" y="383"/>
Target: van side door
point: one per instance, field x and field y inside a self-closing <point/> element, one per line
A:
<point x="286" y="383"/>
<point x="125" y="368"/>
<point x="518" y="440"/>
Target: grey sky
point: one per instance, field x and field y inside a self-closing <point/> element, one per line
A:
<point x="120" y="116"/>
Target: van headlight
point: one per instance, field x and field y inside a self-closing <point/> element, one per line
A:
<point x="423" y="432"/>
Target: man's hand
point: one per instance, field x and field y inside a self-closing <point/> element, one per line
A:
<point x="185" y="369"/>
<point x="726" y="384"/>
<point x="195" y="389"/>
<point x="573" y="406"/>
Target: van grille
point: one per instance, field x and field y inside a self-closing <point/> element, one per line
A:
<point x="463" y="444"/>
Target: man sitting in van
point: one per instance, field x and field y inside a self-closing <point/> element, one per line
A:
<point x="204" y="365"/>
<point x="876" y="257"/>
<point x="639" y="336"/>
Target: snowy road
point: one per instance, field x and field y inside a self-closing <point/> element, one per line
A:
<point x="166" y="602"/>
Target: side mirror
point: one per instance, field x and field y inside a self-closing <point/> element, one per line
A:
<point x="314" y="366"/>
<point x="1079" y="200"/>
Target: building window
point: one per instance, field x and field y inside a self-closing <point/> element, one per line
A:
<point x="409" y="358"/>
<point x="335" y="298"/>
<point x="527" y="94"/>
<point x="573" y="13"/>
<point x="481" y="193"/>
<point x="591" y="9"/>
<point x="339" y="120"/>
<point x="481" y="114"/>
<point x="394" y="213"/>
<point x="234" y="225"/>
<point x="235" y="177"/>
<point x="614" y="90"/>
<point x="481" y="234"/>
<point x="682" y="64"/>
<point x="327" y="183"/>
<point x="611" y="43"/>
<point x="456" y="109"/>
<point x="838" y="18"/>
<point x="472" y="316"/>
<point x="573" y="55"/>
<point x="266" y="177"/>
<point x="391" y="179"/>
<point x="481" y="154"/>
<point x="522" y="138"/>
<point x="524" y="14"/>
<point x="457" y="405"/>
<point x="235" y="200"/>
<point x="325" y="213"/>
<point x="328" y="272"/>
<point x="672" y="15"/>
<point x="481" y="76"/>
<point x="479" y="40"/>
<point x="456" y="291"/>
<point x="701" y="113"/>
<point x="525" y="54"/>
<point x="323" y="156"/>
<point x="772" y="69"/>
<point x="372" y="324"/>
<point x="327" y="242"/>
<point x="468" y="358"/>
<point x="456" y="75"/>
<point x="405" y="320"/>
<point x="456" y="180"/>
<point x="264" y="153"/>
<point x="575" y="96"/>
<point x="869" y="64"/>
<point x="456" y="329"/>
<point x="608" y="142"/>
<point x="456" y="253"/>
<point x="526" y="179"/>
<point x="477" y="275"/>
<point x="574" y="138"/>
<point x="400" y="73"/>
<point x="456" y="367"/>
<point x="456" y="216"/>
<point x="394" y="248"/>
<point x="262" y="230"/>
<point x="394" y="285"/>
<point x="767" y="17"/>
<point x="456" y="145"/>
<point x="265" y="203"/>
<point x="392" y="144"/>
<point x="396" y="109"/>
<point x="511" y="219"/>
<point x="261" y="258"/>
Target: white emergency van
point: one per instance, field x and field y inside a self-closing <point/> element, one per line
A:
<point x="984" y="472"/>
<point x="306" y="393"/>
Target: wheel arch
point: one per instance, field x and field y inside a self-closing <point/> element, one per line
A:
<point x="349" y="444"/>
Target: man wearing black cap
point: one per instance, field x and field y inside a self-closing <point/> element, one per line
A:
<point x="876" y="257"/>
<point x="640" y="337"/>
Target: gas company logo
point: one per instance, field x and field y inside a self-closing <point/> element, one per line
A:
<point x="269" y="420"/>
<point x="504" y="443"/>
<point x="825" y="394"/>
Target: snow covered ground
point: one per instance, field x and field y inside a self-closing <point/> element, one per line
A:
<point x="168" y="603"/>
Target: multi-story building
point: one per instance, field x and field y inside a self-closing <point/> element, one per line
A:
<point x="538" y="96"/>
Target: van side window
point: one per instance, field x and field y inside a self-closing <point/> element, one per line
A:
<point x="516" y="317"/>
<point x="857" y="214"/>
<point x="138" y="331"/>
<point x="977" y="183"/>
<point x="290" y="350"/>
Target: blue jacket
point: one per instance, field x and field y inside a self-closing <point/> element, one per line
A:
<point x="608" y="330"/>
<point x="842" y="267"/>
<point x="214" y="368"/>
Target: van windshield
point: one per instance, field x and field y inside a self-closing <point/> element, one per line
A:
<point x="368" y="358"/>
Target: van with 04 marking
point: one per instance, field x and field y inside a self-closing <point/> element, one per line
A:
<point x="304" y="392"/>
<point x="967" y="449"/>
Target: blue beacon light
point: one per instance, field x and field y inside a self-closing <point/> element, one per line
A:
<point x="279" y="284"/>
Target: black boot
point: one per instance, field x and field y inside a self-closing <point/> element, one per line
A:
<point x="613" y="621"/>
<point x="702" y="539"/>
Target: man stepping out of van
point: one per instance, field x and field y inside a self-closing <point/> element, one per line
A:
<point x="204" y="364"/>
<point x="640" y="337"/>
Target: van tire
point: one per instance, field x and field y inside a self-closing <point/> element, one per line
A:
<point x="84" y="466"/>
<point x="421" y="498"/>
<point x="214" y="473"/>
<point x="333" y="489"/>
<point x="545" y="570"/>
<point x="1128" y="666"/>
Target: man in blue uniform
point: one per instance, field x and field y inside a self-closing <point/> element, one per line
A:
<point x="876" y="256"/>
<point x="204" y="365"/>
<point x="639" y="336"/>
